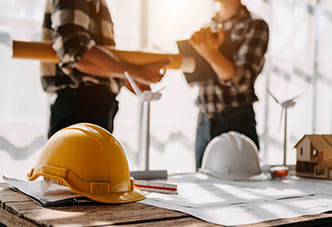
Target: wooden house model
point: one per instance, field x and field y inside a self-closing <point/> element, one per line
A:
<point x="314" y="156"/>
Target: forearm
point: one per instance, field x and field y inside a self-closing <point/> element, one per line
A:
<point x="224" y="68"/>
<point x="100" y="62"/>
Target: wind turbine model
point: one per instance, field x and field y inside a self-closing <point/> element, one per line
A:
<point x="285" y="105"/>
<point x="146" y="97"/>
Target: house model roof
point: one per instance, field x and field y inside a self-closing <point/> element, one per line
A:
<point x="320" y="142"/>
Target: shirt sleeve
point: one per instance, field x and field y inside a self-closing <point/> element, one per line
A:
<point x="249" y="59"/>
<point x="70" y="23"/>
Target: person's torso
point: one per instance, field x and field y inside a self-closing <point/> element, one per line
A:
<point x="214" y="96"/>
<point x="100" y="29"/>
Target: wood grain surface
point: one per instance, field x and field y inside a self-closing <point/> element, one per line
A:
<point x="18" y="210"/>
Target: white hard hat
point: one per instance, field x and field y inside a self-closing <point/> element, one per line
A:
<point x="231" y="156"/>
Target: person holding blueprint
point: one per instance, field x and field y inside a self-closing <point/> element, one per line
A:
<point x="233" y="46"/>
<point x="88" y="77"/>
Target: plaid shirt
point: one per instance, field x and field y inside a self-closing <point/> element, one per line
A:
<point x="75" y="26"/>
<point x="249" y="38"/>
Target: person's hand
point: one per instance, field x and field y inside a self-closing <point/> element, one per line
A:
<point x="207" y="43"/>
<point x="150" y="73"/>
<point x="141" y="86"/>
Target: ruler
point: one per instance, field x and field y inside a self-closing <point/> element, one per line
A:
<point x="151" y="186"/>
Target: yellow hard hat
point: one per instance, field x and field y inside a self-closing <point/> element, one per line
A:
<point x="90" y="161"/>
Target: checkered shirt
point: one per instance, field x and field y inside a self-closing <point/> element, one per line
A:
<point x="74" y="27"/>
<point x="249" y="38"/>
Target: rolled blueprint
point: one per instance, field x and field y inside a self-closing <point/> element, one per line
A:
<point x="43" y="52"/>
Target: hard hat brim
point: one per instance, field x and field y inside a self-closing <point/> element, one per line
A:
<point x="232" y="176"/>
<point x="116" y="197"/>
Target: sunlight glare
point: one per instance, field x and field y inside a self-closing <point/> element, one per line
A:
<point x="178" y="19"/>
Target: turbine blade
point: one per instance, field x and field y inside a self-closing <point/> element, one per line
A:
<point x="133" y="84"/>
<point x="161" y="89"/>
<point x="275" y="99"/>
<point x="294" y="98"/>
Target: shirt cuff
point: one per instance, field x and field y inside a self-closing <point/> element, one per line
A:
<point x="70" y="56"/>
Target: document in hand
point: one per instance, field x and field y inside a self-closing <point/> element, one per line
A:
<point x="203" y="70"/>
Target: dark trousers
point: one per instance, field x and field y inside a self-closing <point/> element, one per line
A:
<point x="239" y="119"/>
<point x="91" y="104"/>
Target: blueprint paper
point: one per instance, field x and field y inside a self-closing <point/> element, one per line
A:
<point x="213" y="200"/>
<point x="244" y="202"/>
<point x="55" y="195"/>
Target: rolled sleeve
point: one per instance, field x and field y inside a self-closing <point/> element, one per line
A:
<point x="70" y="23"/>
<point x="249" y="59"/>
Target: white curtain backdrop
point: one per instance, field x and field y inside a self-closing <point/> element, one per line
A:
<point x="23" y="105"/>
<point x="299" y="63"/>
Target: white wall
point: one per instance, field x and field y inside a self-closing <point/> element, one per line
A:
<point x="23" y="104"/>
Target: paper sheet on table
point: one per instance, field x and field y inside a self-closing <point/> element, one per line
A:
<point x="55" y="195"/>
<point x="239" y="203"/>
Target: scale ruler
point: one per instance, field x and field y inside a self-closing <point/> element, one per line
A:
<point x="156" y="187"/>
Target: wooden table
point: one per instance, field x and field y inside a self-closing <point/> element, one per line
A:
<point x="18" y="210"/>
